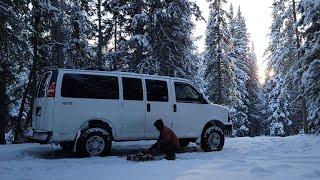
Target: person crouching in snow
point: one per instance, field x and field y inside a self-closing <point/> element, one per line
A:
<point x="167" y="143"/>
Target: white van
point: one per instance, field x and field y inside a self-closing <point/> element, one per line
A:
<point x="85" y="110"/>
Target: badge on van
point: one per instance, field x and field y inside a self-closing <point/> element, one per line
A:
<point x="67" y="103"/>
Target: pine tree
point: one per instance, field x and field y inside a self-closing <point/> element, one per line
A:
<point x="57" y="34"/>
<point x="172" y="45"/>
<point x="310" y="61"/>
<point x="52" y="49"/>
<point x="291" y="58"/>
<point x="15" y="53"/>
<point x="78" y="26"/>
<point x="130" y="42"/>
<point x="278" y="55"/>
<point x="138" y="46"/>
<point x="240" y="58"/>
<point x="99" y="12"/>
<point x="253" y="88"/>
<point x="158" y="39"/>
<point x="219" y="72"/>
<point x="293" y="96"/>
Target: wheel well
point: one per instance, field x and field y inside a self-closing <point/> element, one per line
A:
<point x="96" y="124"/>
<point x="212" y="123"/>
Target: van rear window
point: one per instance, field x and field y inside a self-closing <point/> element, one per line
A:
<point x="43" y="85"/>
<point x="90" y="86"/>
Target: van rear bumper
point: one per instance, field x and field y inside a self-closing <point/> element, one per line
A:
<point x="42" y="137"/>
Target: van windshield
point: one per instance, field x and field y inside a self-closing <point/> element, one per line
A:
<point x="43" y="85"/>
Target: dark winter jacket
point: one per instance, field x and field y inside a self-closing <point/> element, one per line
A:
<point x="168" y="136"/>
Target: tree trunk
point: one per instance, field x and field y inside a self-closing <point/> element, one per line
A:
<point x="3" y="112"/>
<point x="138" y="31"/>
<point x="57" y="36"/>
<point x="115" y="32"/>
<point x="100" y="36"/>
<point x="29" y="91"/>
<point x="294" y="13"/>
<point x="220" y="99"/>
<point x="4" y="101"/>
<point x="303" y="101"/>
<point x="304" y="116"/>
<point x="35" y="63"/>
<point x="26" y="93"/>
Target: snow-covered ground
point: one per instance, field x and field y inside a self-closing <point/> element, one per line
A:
<point x="295" y="157"/>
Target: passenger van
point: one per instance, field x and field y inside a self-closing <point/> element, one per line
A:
<point x="85" y="110"/>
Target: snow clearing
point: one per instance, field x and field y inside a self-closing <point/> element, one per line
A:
<point x="293" y="157"/>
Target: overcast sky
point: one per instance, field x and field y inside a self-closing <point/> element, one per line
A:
<point x="258" y="17"/>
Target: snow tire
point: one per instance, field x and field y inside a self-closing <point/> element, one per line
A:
<point x="212" y="139"/>
<point x="96" y="136"/>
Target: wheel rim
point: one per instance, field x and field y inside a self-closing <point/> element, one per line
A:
<point x="95" y="145"/>
<point x="214" y="140"/>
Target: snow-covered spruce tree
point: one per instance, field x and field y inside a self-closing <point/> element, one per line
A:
<point x="101" y="15"/>
<point x="287" y="58"/>
<point x="58" y="34"/>
<point x="138" y="46"/>
<point x="130" y="44"/>
<point x="219" y="75"/>
<point x="157" y="39"/>
<point x="15" y="55"/>
<point x="255" y="114"/>
<point x="172" y="46"/>
<point x="277" y="121"/>
<point x="310" y="61"/>
<point x="279" y="54"/>
<point x="78" y="29"/>
<point x="59" y="31"/>
<point x="240" y="57"/>
<point x="43" y="17"/>
<point x="290" y="60"/>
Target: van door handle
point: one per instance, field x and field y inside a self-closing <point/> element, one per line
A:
<point x="148" y="107"/>
<point x="174" y="108"/>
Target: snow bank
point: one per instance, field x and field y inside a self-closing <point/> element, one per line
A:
<point x="294" y="158"/>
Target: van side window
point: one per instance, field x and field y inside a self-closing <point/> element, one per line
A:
<point x="157" y="90"/>
<point x="90" y="86"/>
<point x="132" y="89"/>
<point x="185" y="93"/>
<point x="43" y="85"/>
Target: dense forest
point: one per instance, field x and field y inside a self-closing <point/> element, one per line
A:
<point x="155" y="37"/>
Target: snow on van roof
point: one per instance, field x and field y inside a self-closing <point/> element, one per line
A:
<point x="125" y="73"/>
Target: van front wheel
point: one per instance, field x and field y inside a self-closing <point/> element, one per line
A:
<point x="212" y="139"/>
<point x="95" y="142"/>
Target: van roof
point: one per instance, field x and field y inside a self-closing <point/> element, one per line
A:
<point x="123" y="73"/>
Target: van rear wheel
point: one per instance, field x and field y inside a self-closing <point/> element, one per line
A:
<point x="95" y="142"/>
<point x="212" y="139"/>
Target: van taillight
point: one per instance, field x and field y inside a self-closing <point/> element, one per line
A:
<point x="52" y="89"/>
